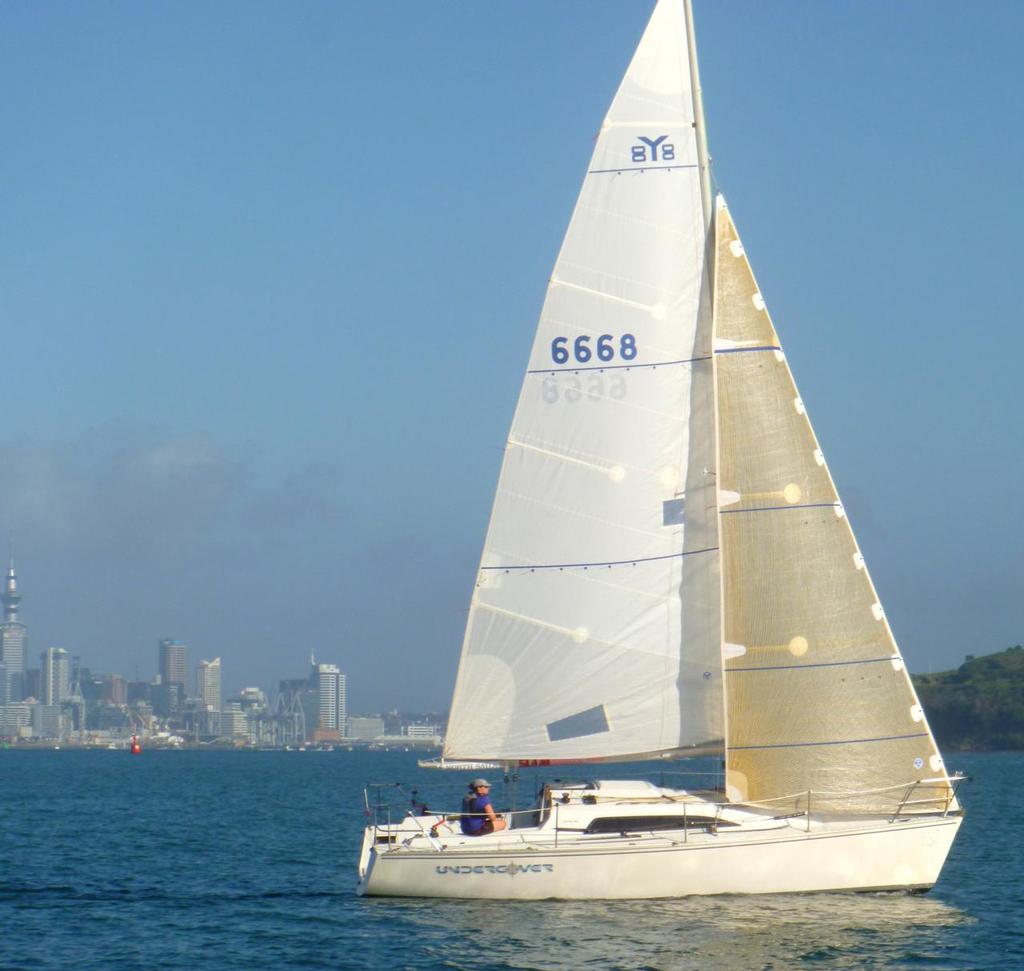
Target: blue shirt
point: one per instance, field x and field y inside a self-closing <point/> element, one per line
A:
<point x="472" y="825"/>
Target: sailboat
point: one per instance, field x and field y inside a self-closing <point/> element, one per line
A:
<point x="669" y="572"/>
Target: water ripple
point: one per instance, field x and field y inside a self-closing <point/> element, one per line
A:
<point x="245" y="860"/>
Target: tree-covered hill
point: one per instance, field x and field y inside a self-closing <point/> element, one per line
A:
<point x="980" y="705"/>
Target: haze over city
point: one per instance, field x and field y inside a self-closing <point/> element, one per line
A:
<point x="270" y="273"/>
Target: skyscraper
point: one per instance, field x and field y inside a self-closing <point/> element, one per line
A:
<point x="173" y="663"/>
<point x="208" y="683"/>
<point x="12" y="638"/>
<point x="54" y="676"/>
<point x="330" y="688"/>
<point x="169" y="696"/>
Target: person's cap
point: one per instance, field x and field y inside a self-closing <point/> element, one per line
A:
<point x="477" y="783"/>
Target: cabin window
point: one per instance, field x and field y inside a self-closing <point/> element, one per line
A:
<point x="645" y="824"/>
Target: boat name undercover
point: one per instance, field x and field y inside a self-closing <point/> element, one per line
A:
<point x="510" y="868"/>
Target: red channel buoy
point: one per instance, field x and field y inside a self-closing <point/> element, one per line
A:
<point x="136" y="747"/>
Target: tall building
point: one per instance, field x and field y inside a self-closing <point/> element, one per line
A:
<point x="12" y="639"/>
<point x="54" y="676"/>
<point x="330" y="690"/>
<point x="208" y="683"/>
<point x="168" y="694"/>
<point x="173" y="663"/>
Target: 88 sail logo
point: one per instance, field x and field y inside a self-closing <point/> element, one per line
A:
<point x="654" y="150"/>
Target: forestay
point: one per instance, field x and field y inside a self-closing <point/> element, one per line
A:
<point x="580" y="642"/>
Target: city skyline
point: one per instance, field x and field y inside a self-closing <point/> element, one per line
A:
<point x="65" y="702"/>
<point x="269" y="304"/>
<point x="171" y="668"/>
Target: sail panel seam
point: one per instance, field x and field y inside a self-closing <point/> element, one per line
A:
<point x="570" y="566"/>
<point x="747" y="350"/>
<point x="845" y="741"/>
<point x="821" y="664"/>
<point x="809" y="505"/>
<point x="617" y="367"/>
<point x="641" y="168"/>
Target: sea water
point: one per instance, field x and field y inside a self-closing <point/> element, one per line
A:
<point x="193" y="859"/>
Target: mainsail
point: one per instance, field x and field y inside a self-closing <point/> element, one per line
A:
<point x="594" y="630"/>
<point x="818" y="697"/>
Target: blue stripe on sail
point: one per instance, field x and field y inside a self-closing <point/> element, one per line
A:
<point x="845" y="741"/>
<point x="743" y="350"/>
<point x="822" y="664"/>
<point x="568" y="566"/>
<point x="640" y="168"/>
<point x="810" y="505"/>
<point x="617" y="367"/>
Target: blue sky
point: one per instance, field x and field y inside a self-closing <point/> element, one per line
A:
<point x="269" y="273"/>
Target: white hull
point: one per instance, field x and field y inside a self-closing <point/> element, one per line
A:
<point x="756" y="854"/>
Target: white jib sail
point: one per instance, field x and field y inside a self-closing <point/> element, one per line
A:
<point x="594" y="630"/>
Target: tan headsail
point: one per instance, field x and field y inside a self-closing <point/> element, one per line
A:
<point x="818" y="697"/>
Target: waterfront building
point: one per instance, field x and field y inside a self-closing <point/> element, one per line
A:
<point x="12" y="639"/>
<point x="208" y="684"/>
<point x="365" y="729"/>
<point x="47" y="721"/>
<point x="330" y="692"/>
<point x="14" y="720"/>
<point x="54" y="676"/>
<point x="422" y="731"/>
<point x="5" y="688"/>
<point x="252" y="703"/>
<point x="233" y="722"/>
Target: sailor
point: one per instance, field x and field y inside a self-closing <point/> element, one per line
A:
<point x="478" y="815"/>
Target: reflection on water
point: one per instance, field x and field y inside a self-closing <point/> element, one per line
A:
<point x="834" y="930"/>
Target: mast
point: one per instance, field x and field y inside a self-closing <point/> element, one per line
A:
<point x="699" y="123"/>
<point x="704" y="165"/>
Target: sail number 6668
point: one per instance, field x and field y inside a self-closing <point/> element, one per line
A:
<point x="605" y="349"/>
